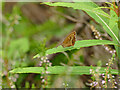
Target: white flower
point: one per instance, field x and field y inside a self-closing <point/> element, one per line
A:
<point x="107" y="48"/>
<point x="47" y="72"/>
<point x="106" y="63"/>
<point x="111" y="51"/>
<point x="109" y="80"/>
<point x="114" y="51"/>
<point x="48" y="61"/>
<point x="91" y="84"/>
<point x="44" y="61"/>
<point x="90" y="70"/>
<point x="63" y="84"/>
<point x="43" y="80"/>
<point x="67" y="84"/>
<point x="42" y="58"/>
<point x="115" y="82"/>
<point x="103" y="82"/>
<point x="103" y="74"/>
<point x="95" y="83"/>
<point x="108" y="76"/>
<point x="50" y="64"/>
<point x="113" y="76"/>
<point x="40" y="64"/>
<point x="41" y="77"/>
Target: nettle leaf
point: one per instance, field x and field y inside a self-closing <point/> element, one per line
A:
<point x="73" y="70"/>
<point x="113" y="20"/>
<point x="86" y="6"/>
<point x="79" y="44"/>
<point x="113" y="24"/>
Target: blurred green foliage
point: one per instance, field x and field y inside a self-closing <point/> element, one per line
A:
<point x="22" y="39"/>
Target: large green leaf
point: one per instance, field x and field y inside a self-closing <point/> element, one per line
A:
<point x="79" y="44"/>
<point x="86" y="6"/>
<point x="74" y="70"/>
<point x="113" y="24"/>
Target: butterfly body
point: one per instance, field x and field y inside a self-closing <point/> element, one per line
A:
<point x="69" y="40"/>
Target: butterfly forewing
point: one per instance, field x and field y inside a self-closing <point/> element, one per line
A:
<point x="69" y="40"/>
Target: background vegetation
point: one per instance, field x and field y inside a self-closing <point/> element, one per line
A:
<point x="32" y="55"/>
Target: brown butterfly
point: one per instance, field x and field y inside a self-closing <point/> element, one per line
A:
<point x="69" y="40"/>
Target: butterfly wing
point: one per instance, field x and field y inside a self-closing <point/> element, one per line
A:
<point x="69" y="40"/>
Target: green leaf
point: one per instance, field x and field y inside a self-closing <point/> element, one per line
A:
<point x="86" y="6"/>
<point x="113" y="20"/>
<point x="79" y="44"/>
<point x="74" y="70"/>
<point x="113" y="24"/>
<point x="111" y="32"/>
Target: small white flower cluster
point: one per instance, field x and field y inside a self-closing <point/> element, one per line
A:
<point x="96" y="33"/>
<point x="44" y="63"/>
<point x="103" y="82"/>
<point x="14" y="77"/>
<point x="109" y="49"/>
<point x="108" y="78"/>
<point x="97" y="70"/>
<point x="15" y="20"/>
<point x="91" y="70"/>
<point x="95" y="82"/>
<point x="17" y="17"/>
<point x="98" y="36"/>
<point x="65" y="84"/>
<point x="43" y="77"/>
<point x="11" y="83"/>
<point x="45" y="60"/>
<point x="110" y="62"/>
